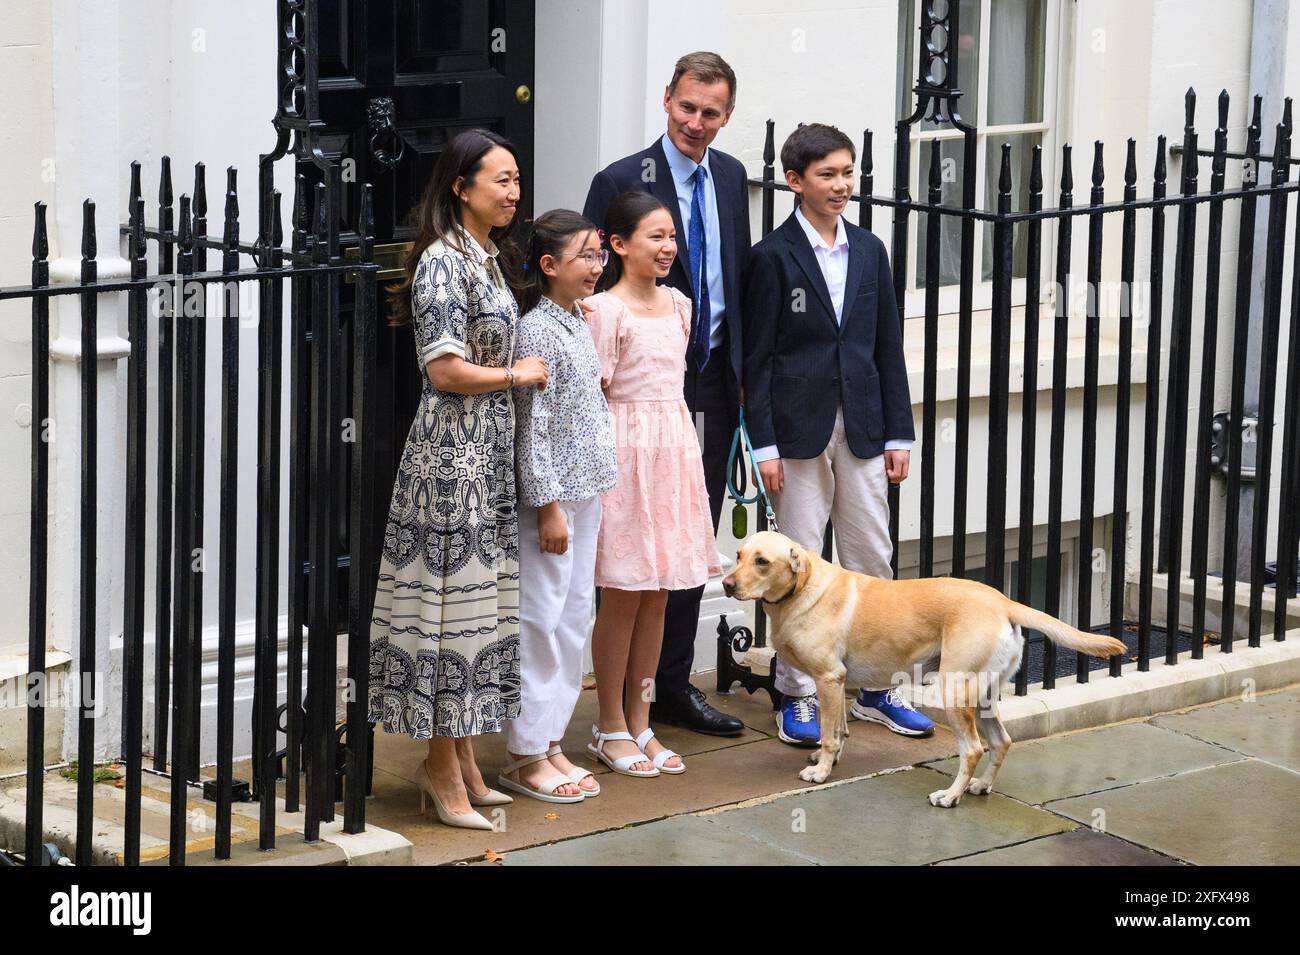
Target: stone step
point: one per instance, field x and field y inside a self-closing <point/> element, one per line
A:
<point x="375" y="846"/>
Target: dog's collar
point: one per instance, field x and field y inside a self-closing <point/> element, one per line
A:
<point x="789" y="594"/>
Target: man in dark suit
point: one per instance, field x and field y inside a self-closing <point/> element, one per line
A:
<point x="705" y="190"/>
<point x="826" y="395"/>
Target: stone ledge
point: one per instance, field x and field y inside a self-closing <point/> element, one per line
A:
<point x="1136" y="695"/>
<point x="375" y="846"/>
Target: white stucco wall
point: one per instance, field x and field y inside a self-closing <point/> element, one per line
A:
<point x="96" y="86"/>
<point x="27" y="174"/>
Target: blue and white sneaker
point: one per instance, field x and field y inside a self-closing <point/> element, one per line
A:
<point x="797" y="722"/>
<point x="891" y="708"/>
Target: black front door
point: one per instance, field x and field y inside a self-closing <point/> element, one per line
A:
<point x="398" y="79"/>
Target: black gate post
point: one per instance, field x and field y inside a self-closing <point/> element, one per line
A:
<point x="362" y="569"/>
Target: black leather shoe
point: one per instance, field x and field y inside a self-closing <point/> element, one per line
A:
<point x="691" y="710"/>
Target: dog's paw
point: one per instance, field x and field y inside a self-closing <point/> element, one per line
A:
<point x="940" y="797"/>
<point x="979" y="787"/>
<point x="813" y="774"/>
<point x="815" y="756"/>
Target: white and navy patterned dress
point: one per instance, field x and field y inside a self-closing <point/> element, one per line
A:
<point x="444" y="638"/>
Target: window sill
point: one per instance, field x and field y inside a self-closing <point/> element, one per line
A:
<point x="981" y="356"/>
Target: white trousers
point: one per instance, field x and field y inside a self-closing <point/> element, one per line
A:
<point x="854" y="493"/>
<point x="556" y="596"/>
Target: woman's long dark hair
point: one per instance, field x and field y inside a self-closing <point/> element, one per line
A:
<point x="551" y="235"/>
<point x="438" y="215"/>
<point x="622" y="219"/>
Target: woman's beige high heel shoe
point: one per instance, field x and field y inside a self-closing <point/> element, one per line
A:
<point x="493" y="797"/>
<point x="469" y="820"/>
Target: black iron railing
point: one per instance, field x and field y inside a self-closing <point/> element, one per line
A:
<point x="337" y="758"/>
<point x="1163" y="467"/>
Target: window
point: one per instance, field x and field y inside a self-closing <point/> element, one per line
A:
<point x="1006" y="71"/>
<point x="1039" y="584"/>
<point x="1011" y="577"/>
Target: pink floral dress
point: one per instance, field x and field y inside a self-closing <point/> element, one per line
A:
<point x="655" y="531"/>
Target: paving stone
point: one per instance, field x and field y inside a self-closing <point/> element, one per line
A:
<point x="399" y="754"/>
<point x="683" y="840"/>
<point x="1268" y="728"/>
<point x="1081" y="847"/>
<point x="887" y="820"/>
<point x="713" y="779"/>
<point x="1040" y="770"/>
<point x="1232" y="814"/>
<point x="720" y="771"/>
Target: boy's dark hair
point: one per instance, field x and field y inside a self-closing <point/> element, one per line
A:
<point x="552" y="231"/>
<point x="807" y="144"/>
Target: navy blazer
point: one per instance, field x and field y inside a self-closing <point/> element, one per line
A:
<point x="801" y="365"/>
<point x="648" y="171"/>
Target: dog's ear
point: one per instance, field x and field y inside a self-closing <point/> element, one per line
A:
<point x="798" y="560"/>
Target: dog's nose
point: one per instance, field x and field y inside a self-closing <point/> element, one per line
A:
<point x="728" y="585"/>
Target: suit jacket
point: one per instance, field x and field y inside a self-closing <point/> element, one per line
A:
<point x="729" y="181"/>
<point x="801" y="365"/>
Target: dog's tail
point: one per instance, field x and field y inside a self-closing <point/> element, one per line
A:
<point x="1062" y="633"/>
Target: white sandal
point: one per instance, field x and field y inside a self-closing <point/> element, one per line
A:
<point x="545" y="791"/>
<point x="622" y="764"/>
<point x="577" y="774"/>
<point x="645" y="737"/>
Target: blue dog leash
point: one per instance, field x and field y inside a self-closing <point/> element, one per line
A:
<point x="738" y="519"/>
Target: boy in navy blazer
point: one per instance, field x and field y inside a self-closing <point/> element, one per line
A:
<point x="826" y="395"/>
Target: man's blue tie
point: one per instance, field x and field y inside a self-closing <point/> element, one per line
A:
<point x="699" y="272"/>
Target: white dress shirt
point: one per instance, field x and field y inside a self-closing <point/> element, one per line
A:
<point x="833" y="260"/>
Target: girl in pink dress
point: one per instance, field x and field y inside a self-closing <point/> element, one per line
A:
<point x="655" y="534"/>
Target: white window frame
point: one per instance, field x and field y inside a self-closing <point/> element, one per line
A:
<point x="1054" y="84"/>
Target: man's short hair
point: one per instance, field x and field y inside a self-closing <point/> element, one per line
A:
<point x="807" y="144"/>
<point x="707" y="68"/>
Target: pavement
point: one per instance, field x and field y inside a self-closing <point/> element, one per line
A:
<point x="1207" y="785"/>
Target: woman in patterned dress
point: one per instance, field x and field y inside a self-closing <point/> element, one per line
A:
<point x="444" y="640"/>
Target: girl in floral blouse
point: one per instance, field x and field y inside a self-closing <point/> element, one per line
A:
<point x="564" y="458"/>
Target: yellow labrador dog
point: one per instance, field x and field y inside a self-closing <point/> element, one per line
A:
<point x="845" y="628"/>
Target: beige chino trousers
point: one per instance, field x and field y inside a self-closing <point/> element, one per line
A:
<point x="853" y="493"/>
